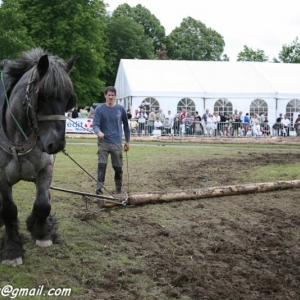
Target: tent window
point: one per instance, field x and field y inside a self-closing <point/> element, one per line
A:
<point x="292" y="106"/>
<point x="258" y="106"/>
<point x="150" y="103"/>
<point x="188" y="104"/>
<point x="223" y="105"/>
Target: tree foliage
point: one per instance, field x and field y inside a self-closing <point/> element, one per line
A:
<point x="64" y="28"/>
<point x="194" y="41"/>
<point x="151" y="25"/>
<point x="13" y="34"/>
<point x="248" y="54"/>
<point x="126" y="39"/>
<point x="290" y="53"/>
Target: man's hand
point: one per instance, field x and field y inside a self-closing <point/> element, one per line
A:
<point x="126" y="147"/>
<point x="100" y="135"/>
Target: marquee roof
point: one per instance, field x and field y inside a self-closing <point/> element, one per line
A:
<point x="207" y="79"/>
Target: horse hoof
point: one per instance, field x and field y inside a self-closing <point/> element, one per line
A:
<point x="13" y="262"/>
<point x="44" y="243"/>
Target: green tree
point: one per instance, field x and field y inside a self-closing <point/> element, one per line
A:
<point x="141" y="15"/>
<point x="71" y="27"/>
<point x="13" y="34"/>
<point x="194" y="41"/>
<point x="225" y="57"/>
<point x="290" y="53"/>
<point x="248" y="54"/>
<point x="126" y="39"/>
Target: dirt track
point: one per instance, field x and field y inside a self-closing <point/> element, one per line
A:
<point x="238" y="247"/>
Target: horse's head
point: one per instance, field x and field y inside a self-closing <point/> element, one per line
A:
<point x="54" y="96"/>
<point x="40" y="91"/>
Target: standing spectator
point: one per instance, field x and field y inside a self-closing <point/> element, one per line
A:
<point x="263" y="117"/>
<point x="142" y="117"/>
<point x="84" y="113"/>
<point x="255" y="125"/>
<point x="210" y="125"/>
<point x="170" y="117"/>
<point x="222" y="123"/>
<point x="150" y="122"/>
<point x="182" y="114"/>
<point x="235" y="113"/>
<point x="107" y="126"/>
<point x="91" y="113"/>
<point x="197" y="126"/>
<point x="242" y="130"/>
<point x="129" y="115"/>
<point x="278" y="125"/>
<point x="176" y="124"/>
<point x="265" y="129"/>
<point x="188" y="121"/>
<point x="204" y="120"/>
<point x="160" y="115"/>
<point x="297" y="126"/>
<point x="230" y="126"/>
<point x="285" y="126"/>
<point x="237" y="125"/>
<point x="75" y="113"/>
<point x="246" y="123"/>
<point x="216" y="118"/>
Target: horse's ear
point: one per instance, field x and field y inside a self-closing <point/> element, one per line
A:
<point x="43" y="65"/>
<point x="70" y="63"/>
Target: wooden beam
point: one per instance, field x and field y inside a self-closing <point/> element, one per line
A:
<point x="140" y="198"/>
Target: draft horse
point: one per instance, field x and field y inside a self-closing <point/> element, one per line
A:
<point x="35" y="93"/>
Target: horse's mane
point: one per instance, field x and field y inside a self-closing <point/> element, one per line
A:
<point x="55" y="81"/>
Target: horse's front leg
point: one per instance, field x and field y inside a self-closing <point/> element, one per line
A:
<point x="11" y="246"/>
<point x="40" y="223"/>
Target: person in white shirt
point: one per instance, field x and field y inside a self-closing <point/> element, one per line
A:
<point x="210" y="125"/>
<point x="142" y="117"/>
<point x="170" y="117"/>
<point x="285" y="126"/>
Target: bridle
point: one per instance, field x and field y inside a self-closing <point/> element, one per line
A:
<point x="30" y="104"/>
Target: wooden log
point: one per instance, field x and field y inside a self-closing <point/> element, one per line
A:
<point x="140" y="198"/>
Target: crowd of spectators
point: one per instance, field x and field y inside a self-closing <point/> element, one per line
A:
<point x="215" y="124"/>
<point x="187" y="123"/>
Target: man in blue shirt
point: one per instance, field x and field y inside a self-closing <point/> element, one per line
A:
<point x="107" y="125"/>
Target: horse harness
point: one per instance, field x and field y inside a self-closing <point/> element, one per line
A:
<point x="30" y="104"/>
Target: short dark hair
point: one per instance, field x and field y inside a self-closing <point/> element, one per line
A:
<point x="110" y="89"/>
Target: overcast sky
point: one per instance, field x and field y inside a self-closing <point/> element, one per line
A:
<point x="260" y="24"/>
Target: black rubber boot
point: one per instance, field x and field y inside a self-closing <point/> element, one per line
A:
<point x="118" y="179"/>
<point x="101" y="178"/>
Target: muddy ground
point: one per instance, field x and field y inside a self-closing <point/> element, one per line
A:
<point x="238" y="247"/>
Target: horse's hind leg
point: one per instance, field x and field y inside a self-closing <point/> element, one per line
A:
<point x="11" y="246"/>
<point x="40" y="223"/>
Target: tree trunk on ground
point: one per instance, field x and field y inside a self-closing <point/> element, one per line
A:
<point x="193" y="194"/>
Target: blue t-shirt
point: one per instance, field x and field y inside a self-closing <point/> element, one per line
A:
<point x="109" y="120"/>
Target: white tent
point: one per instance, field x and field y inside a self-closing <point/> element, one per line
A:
<point x="204" y="83"/>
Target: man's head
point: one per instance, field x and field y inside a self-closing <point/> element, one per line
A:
<point x="110" y="96"/>
<point x="110" y="89"/>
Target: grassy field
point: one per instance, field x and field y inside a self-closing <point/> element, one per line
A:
<point x="240" y="247"/>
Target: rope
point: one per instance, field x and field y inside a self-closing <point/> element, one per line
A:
<point x="127" y="173"/>
<point x="8" y="106"/>
<point x="65" y="153"/>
